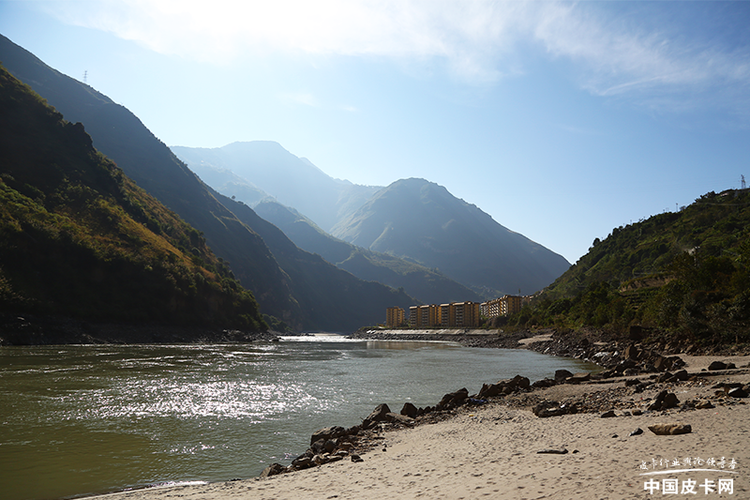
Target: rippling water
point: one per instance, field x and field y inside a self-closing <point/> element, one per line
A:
<point x="86" y="419"/>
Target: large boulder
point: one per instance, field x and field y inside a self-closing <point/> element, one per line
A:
<point x="327" y="433"/>
<point x="379" y="414"/>
<point x="453" y="399"/>
<point x="409" y="410"/>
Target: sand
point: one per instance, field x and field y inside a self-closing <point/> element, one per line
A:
<point x="491" y="451"/>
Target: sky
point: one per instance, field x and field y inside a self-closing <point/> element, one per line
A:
<point x="562" y="120"/>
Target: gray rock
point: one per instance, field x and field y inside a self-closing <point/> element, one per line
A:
<point x="554" y="451"/>
<point x="609" y="414"/>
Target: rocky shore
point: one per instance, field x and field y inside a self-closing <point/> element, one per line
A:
<point x="634" y="380"/>
<point x="586" y="436"/>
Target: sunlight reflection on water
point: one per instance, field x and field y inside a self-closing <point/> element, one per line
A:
<point x="86" y="419"/>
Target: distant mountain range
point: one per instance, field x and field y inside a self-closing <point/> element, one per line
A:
<point x="292" y="285"/>
<point x="426" y="285"/>
<point x="411" y="220"/>
<point x="293" y="181"/>
<point x="346" y="251"/>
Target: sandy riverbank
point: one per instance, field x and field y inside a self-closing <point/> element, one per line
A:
<point x="492" y="452"/>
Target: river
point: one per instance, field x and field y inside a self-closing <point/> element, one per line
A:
<point x="82" y="419"/>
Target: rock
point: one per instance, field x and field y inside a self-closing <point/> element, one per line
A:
<point x="637" y="432"/>
<point x="377" y="415"/>
<point x="519" y="382"/>
<point x="356" y="458"/>
<point x="562" y="375"/>
<point x="554" y="451"/>
<point x="327" y="433"/>
<point x="608" y="414"/>
<point x="738" y="392"/>
<point x="453" y="399"/>
<point x="670" y="429"/>
<point x="631" y="352"/>
<point x="663" y="364"/>
<point x="490" y="390"/>
<point x="273" y="470"/>
<point x="704" y="404"/>
<point x="330" y="445"/>
<point x="541" y="384"/>
<point x="720" y="365"/>
<point x="664" y="400"/>
<point x="547" y="409"/>
<point x="398" y="418"/>
<point x="681" y="375"/>
<point x="409" y="410"/>
<point x="578" y="378"/>
<point x="302" y="463"/>
<point x="625" y="365"/>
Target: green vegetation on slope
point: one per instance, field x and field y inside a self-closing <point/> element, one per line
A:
<point x="78" y="238"/>
<point x="686" y="274"/>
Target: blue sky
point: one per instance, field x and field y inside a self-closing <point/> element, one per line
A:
<point x="562" y="120"/>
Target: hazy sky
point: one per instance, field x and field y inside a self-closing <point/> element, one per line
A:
<point x="562" y="120"/>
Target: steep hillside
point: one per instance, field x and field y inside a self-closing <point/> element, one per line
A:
<point x="685" y="273"/>
<point x="293" y="181"/>
<point x="122" y="137"/>
<point x="422" y="222"/>
<point x="79" y="239"/>
<point x="332" y="299"/>
<point x="423" y="284"/>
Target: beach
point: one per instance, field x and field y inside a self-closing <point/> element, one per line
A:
<point x="493" y="451"/>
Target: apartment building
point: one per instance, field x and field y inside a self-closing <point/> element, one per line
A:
<point x="394" y="316"/>
<point x="503" y="306"/>
<point x="454" y="314"/>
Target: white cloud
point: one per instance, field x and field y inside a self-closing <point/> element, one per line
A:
<point x="479" y="40"/>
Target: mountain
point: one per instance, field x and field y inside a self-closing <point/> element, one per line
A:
<point x="228" y="183"/>
<point x="422" y="222"/>
<point x="331" y="298"/>
<point x="292" y="181"/>
<point x="122" y="137"/>
<point x="79" y="239"/>
<point x="423" y="284"/>
<point x="685" y="275"/>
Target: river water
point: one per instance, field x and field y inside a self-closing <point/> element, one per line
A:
<point x="77" y="420"/>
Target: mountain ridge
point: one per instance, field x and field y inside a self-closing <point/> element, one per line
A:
<point x="124" y="138"/>
<point x="425" y="285"/>
<point x="81" y="240"/>
<point x="421" y="221"/>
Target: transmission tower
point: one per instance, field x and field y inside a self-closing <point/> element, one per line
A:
<point x="742" y="182"/>
<point x="85" y="76"/>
